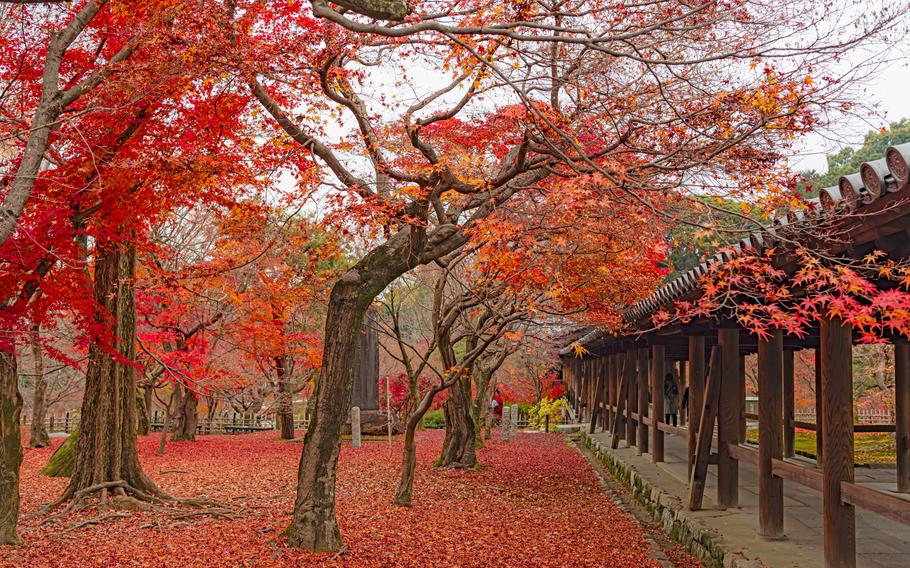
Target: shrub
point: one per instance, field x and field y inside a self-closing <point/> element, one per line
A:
<point x="555" y="409"/>
<point x="434" y="420"/>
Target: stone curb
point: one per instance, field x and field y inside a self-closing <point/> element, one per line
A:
<point x="700" y="542"/>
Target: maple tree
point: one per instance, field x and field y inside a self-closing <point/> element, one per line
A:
<point x="118" y="114"/>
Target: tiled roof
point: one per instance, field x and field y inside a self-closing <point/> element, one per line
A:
<point x="853" y="193"/>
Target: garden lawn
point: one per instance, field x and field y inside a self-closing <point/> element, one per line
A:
<point x="535" y="502"/>
<point x="868" y="447"/>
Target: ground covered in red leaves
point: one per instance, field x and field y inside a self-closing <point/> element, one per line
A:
<point x="535" y="502"/>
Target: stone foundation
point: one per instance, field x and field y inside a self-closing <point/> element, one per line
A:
<point x="664" y="510"/>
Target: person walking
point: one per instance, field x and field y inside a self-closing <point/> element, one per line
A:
<point x="671" y="399"/>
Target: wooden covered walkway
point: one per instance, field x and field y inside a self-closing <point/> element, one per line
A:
<point x="618" y="378"/>
<point x="880" y="542"/>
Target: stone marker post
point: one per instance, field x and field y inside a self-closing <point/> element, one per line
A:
<point x="514" y="421"/>
<point x="355" y="426"/>
<point x="505" y="423"/>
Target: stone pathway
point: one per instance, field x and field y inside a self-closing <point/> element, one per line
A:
<point x="881" y="543"/>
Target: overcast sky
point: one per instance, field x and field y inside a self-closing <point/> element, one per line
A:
<point x="888" y="91"/>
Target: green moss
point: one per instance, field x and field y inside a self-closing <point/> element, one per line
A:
<point x="61" y="462"/>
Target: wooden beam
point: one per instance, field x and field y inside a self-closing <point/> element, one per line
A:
<point x="884" y="504"/>
<point x="804" y="476"/>
<point x="728" y="418"/>
<point x="789" y="403"/>
<point x="819" y="410"/>
<point x="744" y="454"/>
<point x="902" y="413"/>
<point x="770" y="411"/>
<point x="837" y="428"/>
<point x="657" y="400"/>
<point x="707" y="417"/>
<point x="696" y="391"/>
<point x="631" y="396"/>
<point x="642" y="369"/>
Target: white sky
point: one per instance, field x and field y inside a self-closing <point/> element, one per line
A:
<point x="888" y="92"/>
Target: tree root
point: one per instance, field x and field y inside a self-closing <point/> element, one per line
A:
<point x="120" y="495"/>
<point x="94" y="521"/>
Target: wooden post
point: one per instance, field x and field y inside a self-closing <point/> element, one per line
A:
<point x="819" y="411"/>
<point x="657" y="399"/>
<point x="728" y="426"/>
<point x="706" y="418"/>
<point x="642" y="368"/>
<point x="631" y="397"/>
<point x="608" y="379"/>
<point x="770" y="384"/>
<point x="837" y="427"/>
<point x="683" y="381"/>
<point x="789" y="396"/>
<point x="617" y="428"/>
<point x="742" y="398"/>
<point x="696" y="392"/>
<point x="603" y="374"/>
<point x="595" y="410"/>
<point x="902" y="413"/>
<point x="618" y="395"/>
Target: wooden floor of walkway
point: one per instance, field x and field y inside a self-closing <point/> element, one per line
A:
<point x="881" y="543"/>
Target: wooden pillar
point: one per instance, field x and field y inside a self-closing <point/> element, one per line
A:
<point x="819" y="411"/>
<point x="596" y="408"/>
<point x="789" y="398"/>
<point x="632" y="397"/>
<point x="770" y="414"/>
<point x="837" y="426"/>
<point x="683" y="380"/>
<point x="742" y="397"/>
<point x="642" y="400"/>
<point x="619" y="431"/>
<point x="607" y="392"/>
<point x="592" y="388"/>
<point x="728" y="429"/>
<point x="657" y="400"/>
<point x="614" y="375"/>
<point x="604" y="383"/>
<point x="706" y="418"/>
<point x="902" y="413"/>
<point x="696" y="391"/>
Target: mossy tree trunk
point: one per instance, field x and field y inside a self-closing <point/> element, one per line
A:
<point x="106" y="450"/>
<point x="10" y="445"/>
<point x="38" y="437"/>
<point x="314" y="525"/>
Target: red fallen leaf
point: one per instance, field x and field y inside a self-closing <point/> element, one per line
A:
<point x="535" y="502"/>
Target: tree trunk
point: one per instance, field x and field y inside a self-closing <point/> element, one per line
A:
<point x="38" y="437"/>
<point x="10" y="445"/>
<point x="186" y="415"/>
<point x="284" y="399"/>
<point x="408" y="461"/>
<point x="409" y="457"/>
<point x="106" y="450"/>
<point x="458" y="447"/>
<point x="144" y="419"/>
<point x="314" y="525"/>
